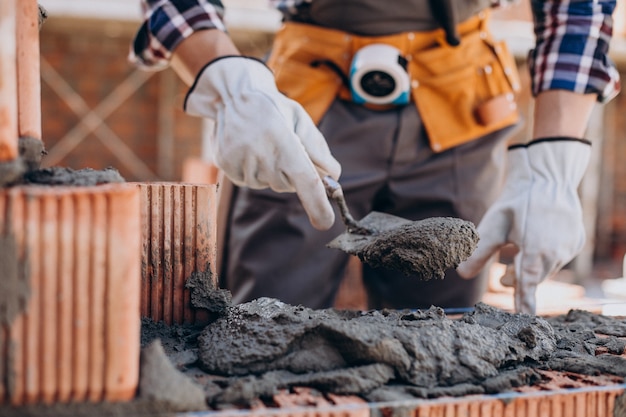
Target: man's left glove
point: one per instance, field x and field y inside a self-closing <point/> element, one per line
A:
<point x="262" y="138"/>
<point x="539" y="211"/>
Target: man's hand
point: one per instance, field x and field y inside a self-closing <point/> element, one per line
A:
<point x="262" y="138"/>
<point x="539" y="211"/>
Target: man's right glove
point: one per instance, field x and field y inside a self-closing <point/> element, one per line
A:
<point x="539" y="211"/>
<point x="262" y="138"/>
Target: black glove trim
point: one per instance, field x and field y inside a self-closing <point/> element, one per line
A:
<point x="550" y="139"/>
<point x="195" y="81"/>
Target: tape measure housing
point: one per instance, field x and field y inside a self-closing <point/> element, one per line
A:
<point x="378" y="75"/>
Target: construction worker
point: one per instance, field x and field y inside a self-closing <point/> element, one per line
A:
<point x="415" y="101"/>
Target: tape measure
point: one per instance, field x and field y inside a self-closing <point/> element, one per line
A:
<point x="378" y="75"/>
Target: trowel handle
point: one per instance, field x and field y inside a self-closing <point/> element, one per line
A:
<point x="333" y="189"/>
<point x="335" y="193"/>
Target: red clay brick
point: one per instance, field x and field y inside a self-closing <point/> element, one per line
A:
<point x="196" y="171"/>
<point x="28" y="69"/>
<point x="8" y="89"/>
<point x="178" y="239"/>
<point x="78" y="251"/>
<point x="573" y="404"/>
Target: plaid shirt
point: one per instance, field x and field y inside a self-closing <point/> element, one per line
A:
<point x="572" y="39"/>
<point x="572" y="42"/>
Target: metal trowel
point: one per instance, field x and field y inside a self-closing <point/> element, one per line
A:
<point x="424" y="248"/>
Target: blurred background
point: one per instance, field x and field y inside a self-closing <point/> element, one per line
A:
<point x="99" y="111"/>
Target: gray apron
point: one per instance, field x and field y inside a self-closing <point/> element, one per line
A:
<point x="270" y="248"/>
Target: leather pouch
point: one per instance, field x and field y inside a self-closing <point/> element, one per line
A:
<point x="313" y="86"/>
<point x="462" y="92"/>
<point x="465" y="92"/>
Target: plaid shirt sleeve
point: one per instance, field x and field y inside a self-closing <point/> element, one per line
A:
<point x="289" y="7"/>
<point x="572" y="43"/>
<point x="167" y="23"/>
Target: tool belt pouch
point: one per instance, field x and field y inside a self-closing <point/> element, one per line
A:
<point x="467" y="91"/>
<point x="293" y="59"/>
<point x="462" y="92"/>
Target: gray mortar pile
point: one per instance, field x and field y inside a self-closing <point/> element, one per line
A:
<point x="255" y="349"/>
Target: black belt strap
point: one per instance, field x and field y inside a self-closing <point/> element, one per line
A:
<point x="445" y="14"/>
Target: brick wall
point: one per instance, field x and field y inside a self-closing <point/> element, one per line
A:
<point x="93" y="63"/>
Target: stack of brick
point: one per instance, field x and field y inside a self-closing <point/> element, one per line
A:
<point x="69" y="258"/>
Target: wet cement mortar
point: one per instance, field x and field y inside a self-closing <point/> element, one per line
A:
<point x="250" y="351"/>
<point x="253" y="350"/>
<point x="424" y="248"/>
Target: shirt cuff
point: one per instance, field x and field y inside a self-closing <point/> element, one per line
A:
<point x="167" y="24"/>
<point x="571" y="52"/>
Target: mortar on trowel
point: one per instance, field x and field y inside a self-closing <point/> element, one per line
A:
<point x="425" y="248"/>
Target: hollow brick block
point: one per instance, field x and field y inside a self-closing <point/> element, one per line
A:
<point x="197" y="171"/>
<point x="71" y="279"/>
<point x="178" y="240"/>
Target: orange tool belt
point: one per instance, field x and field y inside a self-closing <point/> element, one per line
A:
<point x="462" y="92"/>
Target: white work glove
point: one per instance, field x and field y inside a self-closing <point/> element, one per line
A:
<point x="539" y="211"/>
<point x="262" y="138"/>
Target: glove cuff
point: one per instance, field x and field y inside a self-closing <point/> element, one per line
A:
<point x="561" y="160"/>
<point x="550" y="139"/>
<point x="203" y="82"/>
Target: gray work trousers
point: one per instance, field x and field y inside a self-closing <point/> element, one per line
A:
<point x="271" y="250"/>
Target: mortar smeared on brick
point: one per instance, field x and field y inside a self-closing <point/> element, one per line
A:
<point x="30" y="152"/>
<point x="14" y="292"/>
<point x="67" y="176"/>
<point x="14" y="288"/>
<point x="25" y="169"/>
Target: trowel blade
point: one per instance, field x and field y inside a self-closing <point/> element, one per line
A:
<point x="354" y="243"/>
